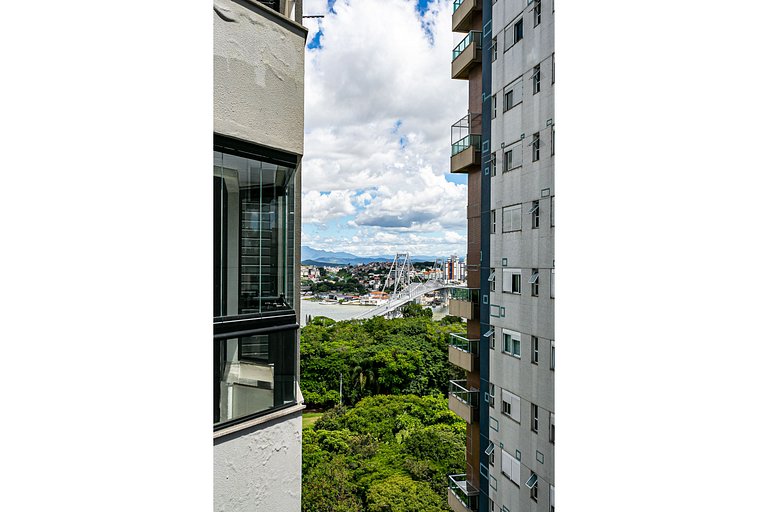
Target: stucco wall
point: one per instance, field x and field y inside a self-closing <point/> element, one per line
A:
<point x="258" y="67"/>
<point x="259" y="470"/>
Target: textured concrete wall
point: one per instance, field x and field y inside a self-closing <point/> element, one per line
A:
<point x="259" y="470"/>
<point x="258" y="76"/>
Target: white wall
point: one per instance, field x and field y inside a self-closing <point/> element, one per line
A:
<point x="259" y="470"/>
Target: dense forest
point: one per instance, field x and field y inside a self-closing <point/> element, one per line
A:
<point x="391" y="445"/>
<point x="406" y="355"/>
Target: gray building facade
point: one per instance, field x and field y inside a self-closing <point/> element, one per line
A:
<point x="258" y="144"/>
<point x="516" y="346"/>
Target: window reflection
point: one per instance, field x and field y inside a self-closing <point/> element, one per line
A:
<point x="253" y="374"/>
<point x="253" y="235"/>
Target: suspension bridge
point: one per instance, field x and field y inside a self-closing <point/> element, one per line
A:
<point x="407" y="285"/>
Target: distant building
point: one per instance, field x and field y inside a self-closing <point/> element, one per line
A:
<point x="257" y="148"/>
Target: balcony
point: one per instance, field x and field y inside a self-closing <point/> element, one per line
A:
<point x="462" y="496"/>
<point x="463" y="401"/>
<point x="462" y="14"/>
<point x="466" y="54"/>
<point x="463" y="352"/>
<point x="465" y="145"/>
<point x="464" y="302"/>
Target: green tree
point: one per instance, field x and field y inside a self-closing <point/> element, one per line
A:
<point x="400" y="493"/>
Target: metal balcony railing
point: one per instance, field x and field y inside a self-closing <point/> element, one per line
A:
<point x="457" y="4"/>
<point x="458" y="389"/>
<point x="474" y="36"/>
<point x="463" y="343"/>
<point x="464" y="491"/>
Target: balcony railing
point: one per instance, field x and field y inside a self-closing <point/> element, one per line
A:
<point x="463" y="352"/>
<point x="465" y="495"/>
<point x="463" y="401"/>
<point x="464" y="302"/>
<point x="464" y="143"/>
<point x="474" y="36"/>
<point x="458" y="389"/>
<point x="457" y="4"/>
<point x="463" y="343"/>
<point x="465" y="294"/>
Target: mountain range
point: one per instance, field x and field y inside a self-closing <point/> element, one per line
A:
<point x="310" y="256"/>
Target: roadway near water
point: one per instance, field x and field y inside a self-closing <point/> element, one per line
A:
<point x="342" y="312"/>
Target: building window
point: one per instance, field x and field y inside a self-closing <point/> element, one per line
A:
<point x="493" y="155"/>
<point x="510" y="467"/>
<point x="493" y="221"/>
<point x="552" y="427"/>
<point x="552" y="284"/>
<point x="492" y="280"/>
<point x="536" y="13"/>
<point x="492" y="395"/>
<point x="253" y="374"/>
<point x="536" y="79"/>
<point x="552" y="211"/>
<point x="553" y="69"/>
<point x="511" y="218"/>
<point x="552" y="355"/>
<point x="518" y="31"/>
<point x="534" y="212"/>
<point x="253" y="235"/>
<point x="493" y="107"/>
<point x="510" y="282"/>
<point x="254" y="371"/>
<point x="533" y="485"/>
<point x="513" y="94"/>
<point x="535" y="147"/>
<point x="534" y="350"/>
<point x="513" y="157"/>
<point x="511" y="340"/>
<point x="552" y="141"/>
<point x="534" y="417"/>
<point x="534" y="282"/>
<point x="510" y="405"/>
<point x="493" y="50"/>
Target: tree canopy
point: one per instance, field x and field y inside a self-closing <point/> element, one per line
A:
<point x="375" y="356"/>
<point x="388" y="453"/>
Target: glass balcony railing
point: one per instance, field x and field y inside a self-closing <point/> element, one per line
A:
<point x="457" y="4"/>
<point x="458" y="389"/>
<point x="474" y="36"/>
<point x="463" y="343"/>
<point x="462" y="144"/>
<point x="465" y="294"/>
<point x="464" y="491"/>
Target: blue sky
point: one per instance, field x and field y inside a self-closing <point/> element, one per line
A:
<point x="379" y="103"/>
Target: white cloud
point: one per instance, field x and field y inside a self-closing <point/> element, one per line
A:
<point x="379" y="106"/>
<point x="321" y="208"/>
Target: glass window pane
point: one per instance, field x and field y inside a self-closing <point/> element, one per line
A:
<point x="253" y="374"/>
<point x="253" y="235"/>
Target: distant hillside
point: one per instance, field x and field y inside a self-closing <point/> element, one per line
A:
<point x="310" y="256"/>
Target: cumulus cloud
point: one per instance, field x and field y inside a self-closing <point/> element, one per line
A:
<point x="379" y="104"/>
<point x="322" y="207"/>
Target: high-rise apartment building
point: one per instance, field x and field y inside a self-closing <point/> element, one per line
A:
<point x="507" y="146"/>
<point x="257" y="147"/>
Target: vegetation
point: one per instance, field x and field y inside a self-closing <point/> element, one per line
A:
<point x="388" y="453"/>
<point x="376" y="356"/>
